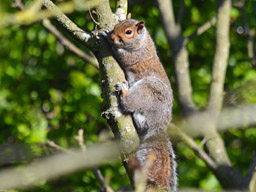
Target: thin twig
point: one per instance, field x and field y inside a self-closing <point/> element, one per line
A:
<point x="203" y="141"/>
<point x="80" y="139"/>
<point x="66" y="22"/>
<point x="101" y="179"/>
<point x="94" y="21"/>
<point x="47" y="24"/>
<point x="96" y="171"/>
<point x="54" y="145"/>
<point x="201" y="29"/>
<point x="203" y="155"/>
<point x="19" y="4"/>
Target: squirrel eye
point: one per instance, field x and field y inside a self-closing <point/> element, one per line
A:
<point x="128" y="32"/>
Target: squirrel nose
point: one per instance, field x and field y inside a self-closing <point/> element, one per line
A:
<point x="114" y="38"/>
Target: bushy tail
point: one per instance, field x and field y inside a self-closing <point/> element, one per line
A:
<point x="162" y="173"/>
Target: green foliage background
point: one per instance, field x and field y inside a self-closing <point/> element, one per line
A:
<point x="48" y="93"/>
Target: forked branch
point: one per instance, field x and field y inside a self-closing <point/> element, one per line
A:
<point x="66" y="22"/>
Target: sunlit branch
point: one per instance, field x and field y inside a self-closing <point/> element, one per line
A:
<point x="203" y="155"/>
<point x="96" y="171"/>
<point x="31" y="15"/>
<point x="229" y="119"/>
<point x="180" y="56"/>
<point x="57" y="147"/>
<point x="201" y="29"/>
<point x="47" y="24"/>
<point x="121" y="9"/>
<point x="221" y="56"/>
<point x="66" y="22"/>
<point x="58" y="164"/>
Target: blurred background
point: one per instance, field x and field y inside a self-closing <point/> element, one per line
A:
<point x="47" y="93"/>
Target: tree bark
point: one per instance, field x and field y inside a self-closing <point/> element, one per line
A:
<point x="111" y="73"/>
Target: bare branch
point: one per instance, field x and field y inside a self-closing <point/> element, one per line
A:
<point x="201" y="29"/>
<point x="180" y="56"/>
<point x="220" y="57"/>
<point x="227" y="176"/>
<point x="59" y="164"/>
<point x="250" y="33"/>
<point x="253" y="182"/>
<point x="66" y="22"/>
<point x="101" y="180"/>
<point x="191" y="143"/>
<point x="251" y="173"/>
<point x="33" y="14"/>
<point x="168" y="18"/>
<point x="19" y="4"/>
<point x="121" y="9"/>
<point x="54" y="145"/>
<point x="215" y="144"/>
<point x="47" y="24"/>
<point x="111" y="73"/>
<point x="229" y="119"/>
<point x="80" y="139"/>
<point x="96" y="171"/>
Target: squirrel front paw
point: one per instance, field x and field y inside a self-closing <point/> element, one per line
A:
<point x="122" y="88"/>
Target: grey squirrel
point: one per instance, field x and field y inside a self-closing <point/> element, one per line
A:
<point x="148" y="97"/>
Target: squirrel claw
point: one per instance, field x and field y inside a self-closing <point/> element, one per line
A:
<point x="106" y="32"/>
<point x="122" y="88"/>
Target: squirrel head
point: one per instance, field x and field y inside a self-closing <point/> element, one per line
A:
<point x="128" y="34"/>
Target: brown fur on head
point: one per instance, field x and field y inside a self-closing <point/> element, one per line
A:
<point x="126" y="32"/>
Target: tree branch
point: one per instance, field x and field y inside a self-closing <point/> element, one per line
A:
<point x="66" y="22"/>
<point x="47" y="24"/>
<point x="92" y="60"/>
<point x="192" y="144"/>
<point x="251" y="173"/>
<point x="121" y="9"/>
<point x="201" y="29"/>
<point x="221" y="56"/>
<point x="180" y="56"/>
<point x="252" y="186"/>
<point x="60" y="164"/>
<point x="227" y="176"/>
<point x="215" y="144"/>
<point x="111" y="73"/>
<point x="229" y="119"/>
<point x="250" y="34"/>
<point x="55" y="146"/>
<point x="96" y="171"/>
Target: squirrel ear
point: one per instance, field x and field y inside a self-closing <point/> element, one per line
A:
<point x="129" y="16"/>
<point x="140" y="25"/>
